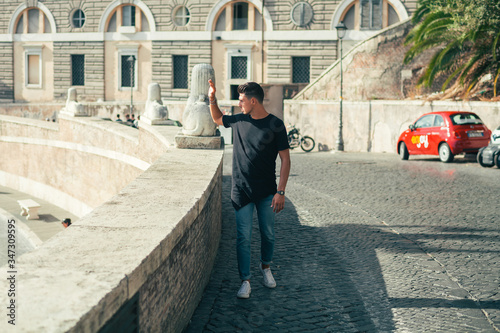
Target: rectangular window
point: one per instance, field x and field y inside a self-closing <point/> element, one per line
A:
<point x="239" y="67"/>
<point x="300" y="69"/>
<point x="128" y="16"/>
<point x="240" y="16"/>
<point x="128" y="64"/>
<point x="180" y="69"/>
<point x="77" y="69"/>
<point x="33" y="69"/>
<point x="234" y="92"/>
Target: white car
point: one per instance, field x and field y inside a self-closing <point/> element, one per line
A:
<point x="495" y="136"/>
<point x="490" y="155"/>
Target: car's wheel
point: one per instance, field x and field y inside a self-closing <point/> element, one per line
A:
<point x="403" y="151"/>
<point x="445" y="154"/>
<point x="497" y="160"/>
<point x="481" y="162"/>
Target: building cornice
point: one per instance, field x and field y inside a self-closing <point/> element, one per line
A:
<point x="282" y="35"/>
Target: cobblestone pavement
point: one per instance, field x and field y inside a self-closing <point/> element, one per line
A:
<point x="368" y="243"/>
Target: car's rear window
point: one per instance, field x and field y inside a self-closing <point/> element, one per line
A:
<point x="465" y="119"/>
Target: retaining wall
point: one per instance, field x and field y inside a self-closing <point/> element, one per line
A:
<point x="148" y="247"/>
<point x="372" y="126"/>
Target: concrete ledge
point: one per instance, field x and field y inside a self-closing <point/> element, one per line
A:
<point x="198" y="142"/>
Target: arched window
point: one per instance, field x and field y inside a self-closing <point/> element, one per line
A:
<point x="127" y="19"/>
<point x="239" y="16"/>
<point x="32" y="21"/>
<point x="369" y="15"/>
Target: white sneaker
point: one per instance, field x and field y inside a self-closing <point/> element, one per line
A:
<point x="245" y="290"/>
<point x="268" y="277"/>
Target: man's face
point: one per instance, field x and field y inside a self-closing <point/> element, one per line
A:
<point x="246" y="105"/>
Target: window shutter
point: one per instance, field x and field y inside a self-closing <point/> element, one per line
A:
<point x="365" y="14"/>
<point x="376" y="14"/>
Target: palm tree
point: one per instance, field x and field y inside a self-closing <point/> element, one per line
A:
<point x="465" y="53"/>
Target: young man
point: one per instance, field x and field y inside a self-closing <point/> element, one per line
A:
<point x="258" y="138"/>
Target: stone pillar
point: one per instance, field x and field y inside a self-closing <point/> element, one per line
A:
<point x="73" y="108"/>
<point x="199" y="129"/>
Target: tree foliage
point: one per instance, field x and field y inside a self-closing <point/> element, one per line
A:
<point x="466" y="34"/>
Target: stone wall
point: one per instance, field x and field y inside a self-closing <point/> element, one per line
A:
<point x="377" y="92"/>
<point x="94" y="69"/>
<point x="163" y="52"/>
<point x="372" y="126"/>
<point x="278" y="9"/>
<point x="279" y="63"/>
<point x="88" y="161"/>
<point x="282" y="41"/>
<point x="154" y="241"/>
<point x="372" y="69"/>
<point x="166" y="289"/>
<point x="6" y="72"/>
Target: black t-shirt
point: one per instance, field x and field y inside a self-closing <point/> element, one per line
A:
<point x="256" y="143"/>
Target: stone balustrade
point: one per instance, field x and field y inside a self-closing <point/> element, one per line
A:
<point x="149" y="227"/>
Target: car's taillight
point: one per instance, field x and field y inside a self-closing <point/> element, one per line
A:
<point x="456" y="135"/>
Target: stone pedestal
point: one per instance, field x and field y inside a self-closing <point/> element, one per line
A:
<point x="66" y="112"/>
<point x="198" y="142"/>
<point x="166" y="122"/>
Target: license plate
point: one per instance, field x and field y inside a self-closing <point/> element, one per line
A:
<point x="475" y="134"/>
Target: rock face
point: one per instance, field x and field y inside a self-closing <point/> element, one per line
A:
<point x="196" y="118"/>
<point x="154" y="109"/>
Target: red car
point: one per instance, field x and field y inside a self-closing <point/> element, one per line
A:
<point x="444" y="133"/>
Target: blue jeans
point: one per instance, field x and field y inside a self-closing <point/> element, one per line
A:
<point x="244" y="218"/>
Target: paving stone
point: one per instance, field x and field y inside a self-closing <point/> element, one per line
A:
<point x="368" y="243"/>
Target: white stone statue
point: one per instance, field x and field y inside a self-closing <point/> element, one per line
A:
<point x="196" y="119"/>
<point x="155" y="110"/>
<point x="73" y="108"/>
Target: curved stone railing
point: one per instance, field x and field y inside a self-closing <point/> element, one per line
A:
<point x="147" y="249"/>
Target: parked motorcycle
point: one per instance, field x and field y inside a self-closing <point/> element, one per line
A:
<point x="295" y="139"/>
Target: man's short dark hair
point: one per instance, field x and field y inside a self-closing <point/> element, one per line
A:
<point x="252" y="89"/>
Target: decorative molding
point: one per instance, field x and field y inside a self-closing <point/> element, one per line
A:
<point x="202" y="36"/>
<point x="397" y="4"/>
<point x="218" y="6"/>
<point x="112" y="6"/>
<point x="22" y="7"/>
<point x="306" y="13"/>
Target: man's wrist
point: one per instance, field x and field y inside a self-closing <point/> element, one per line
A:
<point x="281" y="192"/>
<point x="213" y="101"/>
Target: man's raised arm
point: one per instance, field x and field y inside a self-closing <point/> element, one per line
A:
<point x="214" y="108"/>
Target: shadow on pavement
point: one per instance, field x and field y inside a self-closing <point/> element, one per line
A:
<point x="48" y="218"/>
<point x="328" y="281"/>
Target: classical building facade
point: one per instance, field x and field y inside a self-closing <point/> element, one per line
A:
<point x="107" y="48"/>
